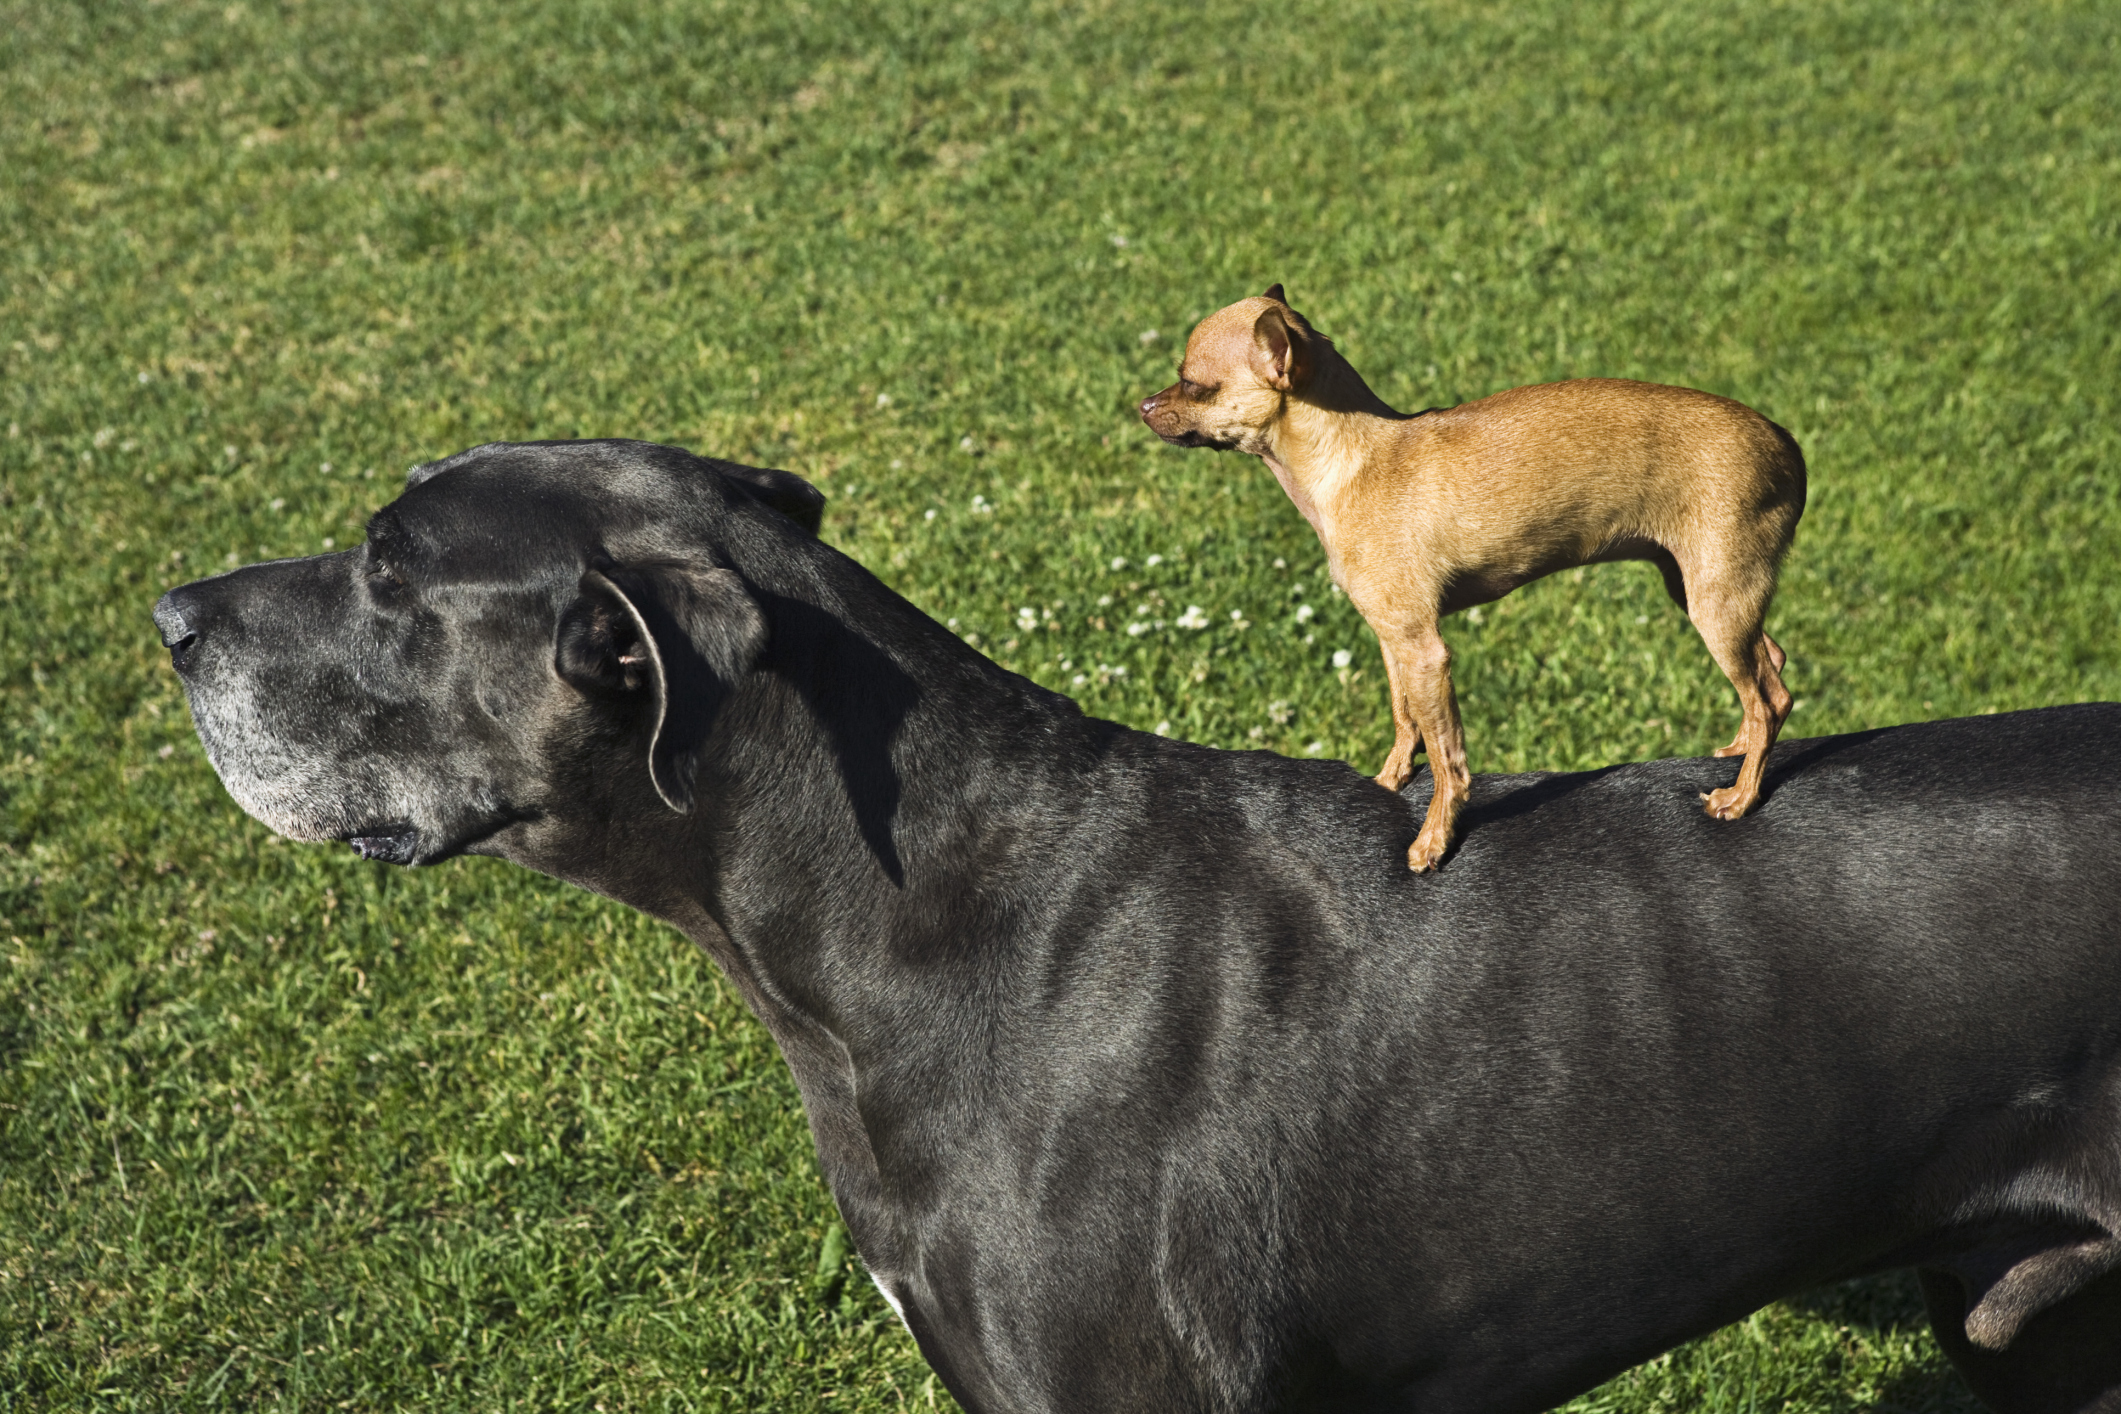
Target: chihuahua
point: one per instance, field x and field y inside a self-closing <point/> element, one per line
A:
<point x="1424" y="514"/>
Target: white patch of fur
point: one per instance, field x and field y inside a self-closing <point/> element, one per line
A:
<point x="896" y="1309"/>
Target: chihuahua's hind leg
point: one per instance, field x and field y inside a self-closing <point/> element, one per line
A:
<point x="1675" y="586"/>
<point x="1776" y="657"/>
<point x="1728" y="617"/>
<point x="1778" y="696"/>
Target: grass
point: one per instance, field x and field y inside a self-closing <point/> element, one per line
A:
<point x="278" y="1128"/>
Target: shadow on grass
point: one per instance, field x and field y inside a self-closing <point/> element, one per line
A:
<point x="1892" y="1304"/>
<point x="1890" y="1301"/>
<point x="1927" y="1392"/>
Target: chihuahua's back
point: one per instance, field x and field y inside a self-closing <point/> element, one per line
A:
<point x="1531" y="480"/>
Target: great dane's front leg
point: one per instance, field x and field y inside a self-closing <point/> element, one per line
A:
<point x="1421" y="692"/>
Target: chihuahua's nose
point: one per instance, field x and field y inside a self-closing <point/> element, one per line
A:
<point x="1149" y="404"/>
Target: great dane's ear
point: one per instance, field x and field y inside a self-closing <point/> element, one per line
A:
<point x="786" y="492"/>
<point x="1279" y="340"/>
<point x="684" y="634"/>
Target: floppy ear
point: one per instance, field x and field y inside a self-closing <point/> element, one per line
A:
<point x="1281" y="344"/>
<point x="1274" y="293"/>
<point x="786" y="492"/>
<point x="682" y="634"/>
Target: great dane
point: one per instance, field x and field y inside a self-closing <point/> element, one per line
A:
<point x="1145" y="1075"/>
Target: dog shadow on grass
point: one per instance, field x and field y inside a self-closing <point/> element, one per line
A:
<point x="1889" y="1307"/>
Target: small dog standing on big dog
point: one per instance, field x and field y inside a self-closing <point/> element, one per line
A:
<point x="1424" y="514"/>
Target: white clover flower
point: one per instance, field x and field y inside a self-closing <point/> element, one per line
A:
<point x="1473" y="615"/>
<point x="1316" y="748"/>
<point x="1163" y="728"/>
<point x="1153" y="561"/>
<point x="883" y="400"/>
<point x="1119" y="562"/>
<point x="1078" y="680"/>
<point x="1119" y="240"/>
<point x="1342" y="657"/>
<point x="1147" y="336"/>
<point x="1279" y="713"/>
<point x="1193" y="618"/>
<point x="1137" y="629"/>
<point x="930" y="515"/>
<point x="1304" y="613"/>
<point x="964" y="444"/>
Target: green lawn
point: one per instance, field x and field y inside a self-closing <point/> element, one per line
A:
<point x="279" y="1127"/>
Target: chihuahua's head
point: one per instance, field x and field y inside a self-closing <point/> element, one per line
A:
<point x="1240" y="365"/>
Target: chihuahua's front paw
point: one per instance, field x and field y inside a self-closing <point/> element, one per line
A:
<point x="1392" y="777"/>
<point x="1427" y="851"/>
<point x="1728" y="803"/>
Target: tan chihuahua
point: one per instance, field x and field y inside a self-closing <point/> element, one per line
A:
<point x="1428" y="513"/>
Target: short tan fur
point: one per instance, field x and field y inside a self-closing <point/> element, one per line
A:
<point x="1425" y="514"/>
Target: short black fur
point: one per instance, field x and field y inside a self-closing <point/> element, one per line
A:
<point x="1147" y="1077"/>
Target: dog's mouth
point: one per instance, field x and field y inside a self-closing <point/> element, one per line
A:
<point x="400" y="842"/>
<point x="1194" y="437"/>
<point x="387" y="844"/>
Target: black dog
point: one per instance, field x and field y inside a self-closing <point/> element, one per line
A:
<point x="1145" y="1075"/>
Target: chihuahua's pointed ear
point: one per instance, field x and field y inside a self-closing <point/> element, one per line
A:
<point x="1280" y="348"/>
<point x="679" y="636"/>
<point x="1274" y="293"/>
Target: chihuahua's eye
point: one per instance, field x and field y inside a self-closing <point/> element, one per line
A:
<point x="1192" y="389"/>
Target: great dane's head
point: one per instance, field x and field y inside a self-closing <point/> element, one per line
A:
<point x="411" y="695"/>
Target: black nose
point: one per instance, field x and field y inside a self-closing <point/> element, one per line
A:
<point x="178" y="634"/>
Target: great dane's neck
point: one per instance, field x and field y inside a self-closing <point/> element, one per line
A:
<point x="858" y="860"/>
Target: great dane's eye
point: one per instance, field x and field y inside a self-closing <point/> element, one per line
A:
<point x="379" y="573"/>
